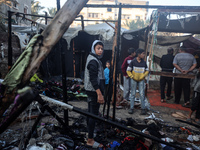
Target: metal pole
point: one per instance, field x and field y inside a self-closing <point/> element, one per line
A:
<point x="58" y="5"/>
<point x="117" y="59"/>
<point x="64" y="82"/>
<point x="75" y="109"/>
<point x="83" y="112"/>
<point x="190" y="8"/>
<point x="40" y="100"/>
<point x="9" y="40"/>
<point x="46" y="18"/>
<point x="33" y="127"/>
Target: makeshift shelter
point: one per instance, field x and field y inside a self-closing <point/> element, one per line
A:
<point x="80" y="42"/>
<point x="148" y="39"/>
<point x="76" y="43"/>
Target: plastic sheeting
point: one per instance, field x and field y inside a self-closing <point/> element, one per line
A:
<point x="104" y="30"/>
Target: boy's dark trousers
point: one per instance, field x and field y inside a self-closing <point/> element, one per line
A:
<point x="93" y="107"/>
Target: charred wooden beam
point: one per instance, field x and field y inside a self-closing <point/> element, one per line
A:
<point x="53" y="33"/>
<point x="22" y="103"/>
<point x="170" y="74"/>
<point x="51" y="36"/>
<point x="117" y="60"/>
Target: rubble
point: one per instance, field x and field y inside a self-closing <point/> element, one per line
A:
<point x="51" y="134"/>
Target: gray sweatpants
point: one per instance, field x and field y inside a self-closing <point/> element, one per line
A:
<point x="127" y="88"/>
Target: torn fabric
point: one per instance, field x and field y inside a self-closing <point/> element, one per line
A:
<point x="14" y="76"/>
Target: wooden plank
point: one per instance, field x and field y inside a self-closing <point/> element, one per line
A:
<point x="53" y="33"/>
<point x="170" y="74"/>
<point x="114" y="56"/>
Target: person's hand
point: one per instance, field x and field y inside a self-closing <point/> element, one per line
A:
<point x="100" y="99"/>
<point x="182" y="71"/>
<point x="127" y="76"/>
<point x="185" y="71"/>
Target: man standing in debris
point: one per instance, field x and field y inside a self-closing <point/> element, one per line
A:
<point x="166" y="63"/>
<point x="184" y="63"/>
<point x="127" y="80"/>
<point x="94" y="85"/>
<point x="137" y="71"/>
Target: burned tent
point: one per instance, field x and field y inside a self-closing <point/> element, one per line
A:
<point x="76" y="43"/>
<point x="80" y="42"/>
<point x="185" y="23"/>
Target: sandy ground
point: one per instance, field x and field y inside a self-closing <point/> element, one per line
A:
<point x="163" y="113"/>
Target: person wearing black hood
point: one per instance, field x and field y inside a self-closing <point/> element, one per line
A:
<point x="94" y="81"/>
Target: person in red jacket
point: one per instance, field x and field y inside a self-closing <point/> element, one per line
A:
<point x="127" y="80"/>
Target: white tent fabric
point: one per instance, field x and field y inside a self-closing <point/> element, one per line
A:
<point x="103" y="29"/>
<point x="24" y="29"/>
<point x="23" y="39"/>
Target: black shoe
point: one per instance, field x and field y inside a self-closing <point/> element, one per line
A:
<point x="143" y="112"/>
<point x="130" y="111"/>
<point x="170" y="97"/>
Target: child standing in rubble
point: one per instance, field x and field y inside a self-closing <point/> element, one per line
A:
<point x="137" y="71"/>
<point x="94" y="85"/>
<point x="196" y="99"/>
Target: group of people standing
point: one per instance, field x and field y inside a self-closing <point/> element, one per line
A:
<point x="134" y="69"/>
<point x="182" y="63"/>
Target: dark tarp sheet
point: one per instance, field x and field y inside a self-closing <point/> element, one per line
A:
<point x="185" y="25"/>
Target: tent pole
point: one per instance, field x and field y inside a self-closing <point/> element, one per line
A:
<point x="64" y="87"/>
<point x="117" y="59"/>
<point x="9" y="40"/>
<point x="146" y="43"/>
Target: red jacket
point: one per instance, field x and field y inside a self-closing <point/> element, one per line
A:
<point x="125" y="64"/>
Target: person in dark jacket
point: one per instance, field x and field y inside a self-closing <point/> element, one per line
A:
<point x="94" y="85"/>
<point x="166" y="63"/>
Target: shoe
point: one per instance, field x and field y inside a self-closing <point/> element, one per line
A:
<point x="187" y="105"/>
<point x="130" y="111"/>
<point x="124" y="101"/>
<point x="198" y="122"/>
<point x="170" y="97"/>
<point x="143" y="112"/>
<point x="189" y="120"/>
<point x="163" y="100"/>
<point x="94" y="146"/>
<point x="119" y="107"/>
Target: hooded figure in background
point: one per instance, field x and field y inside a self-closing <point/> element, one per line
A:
<point x="94" y="85"/>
